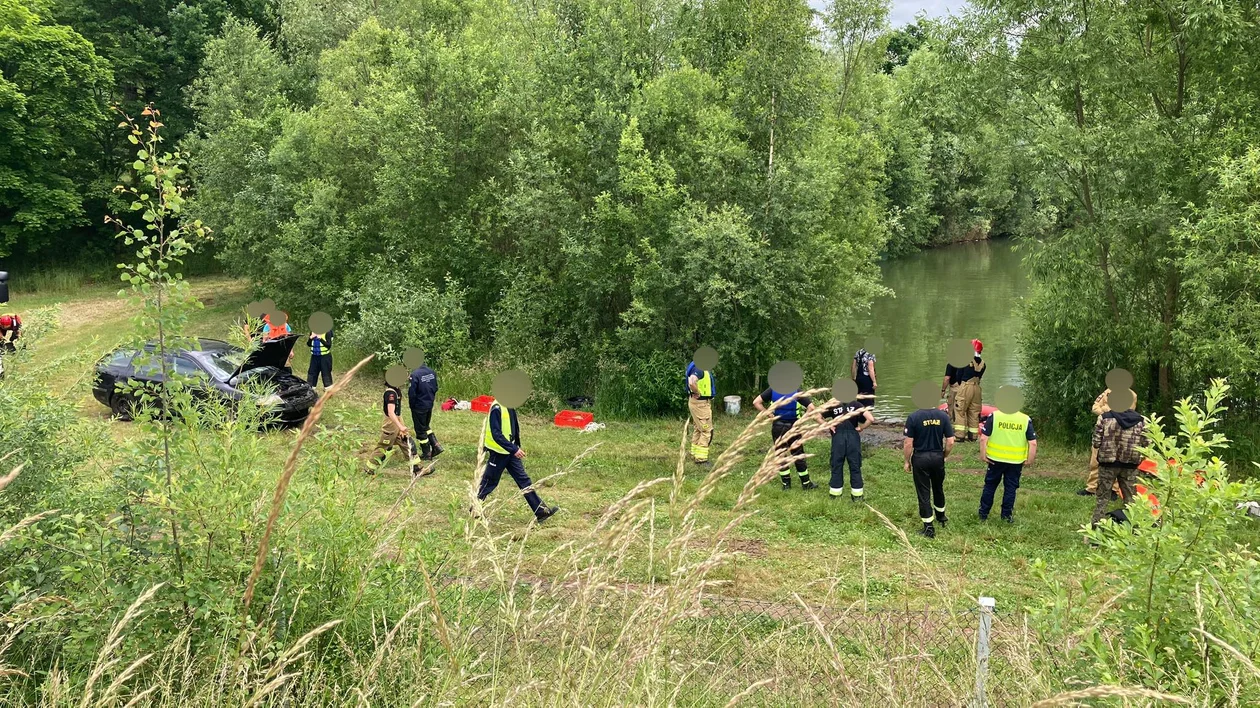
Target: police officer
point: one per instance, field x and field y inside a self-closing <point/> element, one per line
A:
<point x="501" y="438"/>
<point x="394" y="434"/>
<point x="422" y="390"/>
<point x="785" y="416"/>
<point x="929" y="439"/>
<point x="1007" y="443"/>
<point x="320" y="342"/>
<point x="967" y="402"/>
<point x="846" y="443"/>
<point x="701" y="388"/>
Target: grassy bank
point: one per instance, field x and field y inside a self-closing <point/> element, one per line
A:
<point x="792" y="536"/>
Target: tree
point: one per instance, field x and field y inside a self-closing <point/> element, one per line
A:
<point x="50" y="83"/>
<point x="1122" y="110"/>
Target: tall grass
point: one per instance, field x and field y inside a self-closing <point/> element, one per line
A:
<point x="484" y="625"/>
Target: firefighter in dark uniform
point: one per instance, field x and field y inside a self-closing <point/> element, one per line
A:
<point x="785" y="417"/>
<point x="929" y="439"/>
<point x="501" y="437"/>
<point x="846" y="443"/>
<point x="422" y="390"/>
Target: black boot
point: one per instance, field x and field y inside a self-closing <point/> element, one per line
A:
<point x="434" y="448"/>
<point x="787" y="482"/>
<point x="545" y="512"/>
<point x="928" y="531"/>
<point x="807" y="483"/>
<point x="940" y="518"/>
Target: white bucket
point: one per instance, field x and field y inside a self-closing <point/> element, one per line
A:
<point x="732" y="405"/>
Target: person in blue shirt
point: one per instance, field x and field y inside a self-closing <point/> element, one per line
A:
<point x="785" y="417"/>
<point x="701" y="388"/>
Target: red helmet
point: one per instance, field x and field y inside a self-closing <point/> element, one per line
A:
<point x="977" y="345"/>
<point x="6" y="321"/>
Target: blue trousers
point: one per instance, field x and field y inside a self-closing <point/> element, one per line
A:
<point x="846" y="446"/>
<point x="1008" y="474"/>
<point x="495" y="465"/>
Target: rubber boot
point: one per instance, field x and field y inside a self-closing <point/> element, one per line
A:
<point x="807" y="483"/>
<point x="787" y="481"/>
<point x="545" y="512"/>
<point x="940" y="517"/>
<point x="928" y="531"/>
<point x="434" y="448"/>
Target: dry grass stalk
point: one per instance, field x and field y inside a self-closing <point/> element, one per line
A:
<point x="28" y="521"/>
<point x="5" y="480"/>
<point x="112" y="641"/>
<point x="1242" y="658"/>
<point x="1074" y="697"/>
<point x="282" y="487"/>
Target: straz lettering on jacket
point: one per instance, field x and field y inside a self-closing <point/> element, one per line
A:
<point x="931" y="421"/>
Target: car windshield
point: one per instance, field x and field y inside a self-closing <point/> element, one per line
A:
<point x="223" y="364"/>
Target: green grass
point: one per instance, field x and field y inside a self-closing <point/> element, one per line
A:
<point x="793" y="538"/>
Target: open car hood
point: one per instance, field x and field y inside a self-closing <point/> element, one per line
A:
<point x="271" y="353"/>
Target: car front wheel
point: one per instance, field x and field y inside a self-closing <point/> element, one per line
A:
<point x="121" y="407"/>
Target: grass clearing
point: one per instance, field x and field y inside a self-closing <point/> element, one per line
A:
<point x="792" y="538"/>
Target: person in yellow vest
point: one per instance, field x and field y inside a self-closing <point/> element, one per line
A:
<point x="501" y="438"/>
<point x="701" y="389"/>
<point x="1007" y="443"/>
<point x="967" y="400"/>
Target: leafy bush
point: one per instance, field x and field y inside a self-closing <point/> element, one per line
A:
<point x="394" y="314"/>
<point x="1172" y="600"/>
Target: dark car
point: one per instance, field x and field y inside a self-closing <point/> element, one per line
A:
<point x="216" y="369"/>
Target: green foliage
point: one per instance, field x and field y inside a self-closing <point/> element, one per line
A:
<point x="1126" y="114"/>
<point x="51" y="81"/>
<point x="395" y="314"/>
<point x="1182" y="595"/>
<point x="609" y="181"/>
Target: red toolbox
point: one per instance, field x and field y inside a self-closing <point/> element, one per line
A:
<point x="481" y="404"/>
<point x="573" y="419"/>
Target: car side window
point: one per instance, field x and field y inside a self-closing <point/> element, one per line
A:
<point x="186" y="367"/>
<point x="121" y="358"/>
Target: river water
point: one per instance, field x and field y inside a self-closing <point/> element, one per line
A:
<point x="965" y="291"/>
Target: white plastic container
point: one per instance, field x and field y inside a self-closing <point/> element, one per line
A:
<point x="732" y="405"/>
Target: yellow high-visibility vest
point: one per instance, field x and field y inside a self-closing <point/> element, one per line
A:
<point x="1009" y="441"/>
<point x="704" y="385"/>
<point x="505" y="423"/>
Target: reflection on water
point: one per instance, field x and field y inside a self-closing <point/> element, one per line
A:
<point x="966" y="291"/>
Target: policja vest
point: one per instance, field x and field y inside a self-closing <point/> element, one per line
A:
<point x="505" y="424"/>
<point x="1009" y="441"/>
<point x="789" y="412"/>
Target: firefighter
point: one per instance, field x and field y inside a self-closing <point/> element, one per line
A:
<point x="1007" y="443"/>
<point x="850" y="418"/>
<point x="422" y="390"/>
<point x="785" y="416"/>
<point x="967" y="403"/>
<point x="701" y="388"/>
<point x="10" y="331"/>
<point x="394" y="434"/>
<point x="501" y="439"/>
<point x="929" y="440"/>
